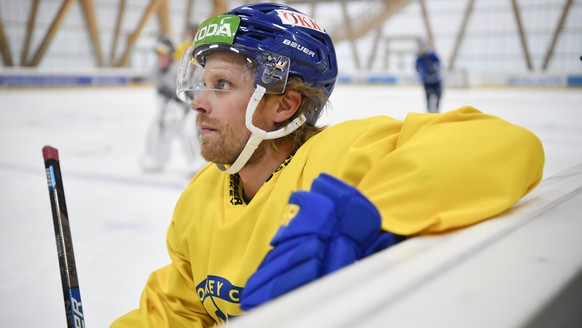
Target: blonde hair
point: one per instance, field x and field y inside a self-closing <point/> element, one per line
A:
<point x="312" y="102"/>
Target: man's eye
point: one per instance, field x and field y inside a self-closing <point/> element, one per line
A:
<point x="223" y="85"/>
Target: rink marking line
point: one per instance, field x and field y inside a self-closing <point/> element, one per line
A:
<point x="100" y="177"/>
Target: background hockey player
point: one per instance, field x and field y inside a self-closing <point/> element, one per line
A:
<point x="428" y="66"/>
<point x="174" y="119"/>
<point x="285" y="201"/>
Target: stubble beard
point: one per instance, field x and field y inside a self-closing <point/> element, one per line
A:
<point x="225" y="146"/>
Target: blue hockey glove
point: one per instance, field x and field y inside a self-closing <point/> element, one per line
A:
<point x="335" y="226"/>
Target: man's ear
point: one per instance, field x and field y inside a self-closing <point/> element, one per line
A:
<point x="288" y="105"/>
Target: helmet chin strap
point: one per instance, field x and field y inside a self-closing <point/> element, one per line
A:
<point x="258" y="135"/>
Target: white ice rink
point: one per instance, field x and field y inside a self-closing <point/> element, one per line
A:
<point x="119" y="215"/>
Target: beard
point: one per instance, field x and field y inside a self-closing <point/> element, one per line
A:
<point x="224" y="145"/>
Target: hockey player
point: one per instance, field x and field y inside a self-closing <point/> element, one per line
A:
<point x="286" y="202"/>
<point x="428" y="66"/>
<point x="174" y="119"/>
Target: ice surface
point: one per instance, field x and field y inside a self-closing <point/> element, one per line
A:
<point x="119" y="215"/>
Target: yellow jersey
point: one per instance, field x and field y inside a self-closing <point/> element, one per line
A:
<point x="427" y="174"/>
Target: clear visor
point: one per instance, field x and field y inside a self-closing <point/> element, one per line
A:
<point x="241" y="75"/>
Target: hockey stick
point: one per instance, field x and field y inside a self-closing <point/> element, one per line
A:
<point x="69" y="279"/>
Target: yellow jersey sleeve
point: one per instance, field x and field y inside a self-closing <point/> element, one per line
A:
<point x="453" y="170"/>
<point x="432" y="173"/>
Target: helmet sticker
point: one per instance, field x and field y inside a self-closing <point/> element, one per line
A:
<point x="298" y="19"/>
<point x="218" y="29"/>
<point x="299" y="47"/>
<point x="274" y="71"/>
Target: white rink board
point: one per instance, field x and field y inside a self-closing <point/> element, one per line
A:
<point x="522" y="269"/>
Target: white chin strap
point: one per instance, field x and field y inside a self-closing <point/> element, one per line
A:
<point x="258" y="135"/>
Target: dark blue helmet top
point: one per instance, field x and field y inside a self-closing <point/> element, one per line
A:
<point x="277" y="29"/>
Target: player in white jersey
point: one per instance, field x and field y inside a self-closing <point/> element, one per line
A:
<point x="173" y="119"/>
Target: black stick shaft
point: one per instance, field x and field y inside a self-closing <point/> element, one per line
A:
<point x="69" y="279"/>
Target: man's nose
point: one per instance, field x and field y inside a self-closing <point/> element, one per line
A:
<point x="200" y="102"/>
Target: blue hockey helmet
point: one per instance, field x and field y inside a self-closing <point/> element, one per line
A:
<point x="281" y="40"/>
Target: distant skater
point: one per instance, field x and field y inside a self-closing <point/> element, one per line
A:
<point x="174" y="118"/>
<point x="428" y="66"/>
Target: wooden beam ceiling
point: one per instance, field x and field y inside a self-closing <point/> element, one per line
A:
<point x="371" y="21"/>
<point x="90" y="21"/>
<point x="4" y="48"/>
<point x="50" y="34"/>
<point x="29" y="30"/>
<point x="117" y="30"/>
<point x="556" y="35"/>
<point x="351" y="28"/>
<point x="133" y="36"/>
<point x="461" y="33"/>
<point x="522" y="37"/>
